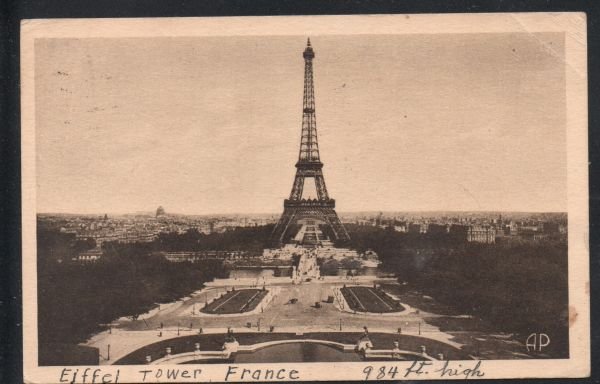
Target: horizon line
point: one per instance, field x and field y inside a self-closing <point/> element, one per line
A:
<point x="152" y="213"/>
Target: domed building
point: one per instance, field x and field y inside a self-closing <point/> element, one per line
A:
<point x="160" y="212"/>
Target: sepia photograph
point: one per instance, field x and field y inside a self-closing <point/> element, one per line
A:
<point x="393" y="197"/>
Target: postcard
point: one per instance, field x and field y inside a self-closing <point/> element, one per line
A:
<point x="245" y="199"/>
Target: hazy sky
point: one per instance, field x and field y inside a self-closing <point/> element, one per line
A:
<point x="212" y="124"/>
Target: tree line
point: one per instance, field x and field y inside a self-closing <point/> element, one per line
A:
<point x="252" y="239"/>
<point x="519" y="286"/>
<point x="128" y="280"/>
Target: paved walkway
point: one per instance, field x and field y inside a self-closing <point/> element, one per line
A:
<point x="303" y="316"/>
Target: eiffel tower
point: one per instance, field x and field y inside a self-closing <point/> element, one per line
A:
<point x="322" y="209"/>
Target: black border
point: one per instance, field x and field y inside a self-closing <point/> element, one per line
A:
<point x="13" y="11"/>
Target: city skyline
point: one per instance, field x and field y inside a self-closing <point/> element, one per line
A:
<point x="277" y="214"/>
<point x="210" y="125"/>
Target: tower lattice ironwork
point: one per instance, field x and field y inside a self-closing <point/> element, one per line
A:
<point x="309" y="165"/>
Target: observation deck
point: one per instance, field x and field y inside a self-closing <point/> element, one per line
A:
<point x="308" y="203"/>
